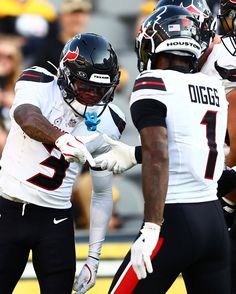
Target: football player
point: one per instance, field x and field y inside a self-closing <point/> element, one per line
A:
<point x="221" y="63"/>
<point x="52" y="119"/>
<point x="181" y="117"/>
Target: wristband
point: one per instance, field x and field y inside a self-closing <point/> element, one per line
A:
<point x="138" y="154"/>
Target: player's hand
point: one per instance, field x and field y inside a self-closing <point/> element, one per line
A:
<point x="74" y="149"/>
<point x="229" y="210"/>
<point x="119" y="159"/>
<point x="142" y="249"/>
<point x="87" y="276"/>
<point x="227" y="182"/>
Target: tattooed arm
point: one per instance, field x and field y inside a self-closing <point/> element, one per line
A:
<point x="35" y="125"/>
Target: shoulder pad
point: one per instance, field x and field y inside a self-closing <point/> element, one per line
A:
<point x="148" y="82"/>
<point x="34" y="75"/>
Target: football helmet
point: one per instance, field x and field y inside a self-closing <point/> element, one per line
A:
<point x="88" y="73"/>
<point x="170" y="29"/>
<point x="202" y="12"/>
<point x="227" y="18"/>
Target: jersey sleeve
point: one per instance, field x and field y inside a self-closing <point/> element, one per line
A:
<point x="32" y="87"/>
<point x="148" y="101"/>
<point x="119" y="120"/>
<point x="100" y="209"/>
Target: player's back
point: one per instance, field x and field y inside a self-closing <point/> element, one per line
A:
<point x="196" y="123"/>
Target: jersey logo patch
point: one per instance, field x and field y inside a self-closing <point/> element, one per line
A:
<point x="35" y="76"/>
<point x="149" y="83"/>
<point x="57" y="221"/>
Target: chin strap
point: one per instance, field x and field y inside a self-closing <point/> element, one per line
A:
<point x="91" y="121"/>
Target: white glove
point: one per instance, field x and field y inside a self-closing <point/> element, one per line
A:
<point x="73" y="148"/>
<point x="142" y="249"/>
<point x="119" y="159"/>
<point x="87" y="276"/>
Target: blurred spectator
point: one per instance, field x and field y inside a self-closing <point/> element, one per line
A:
<point x="10" y="68"/>
<point x="73" y="19"/>
<point x="29" y="21"/>
<point x="15" y="8"/>
<point x="124" y="78"/>
<point x="3" y="137"/>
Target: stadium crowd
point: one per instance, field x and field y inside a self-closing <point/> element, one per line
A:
<point x="36" y="33"/>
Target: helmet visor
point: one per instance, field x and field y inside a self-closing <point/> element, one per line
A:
<point x="90" y="94"/>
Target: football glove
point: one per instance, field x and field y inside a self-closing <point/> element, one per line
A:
<point x="73" y="148"/>
<point x="227" y="182"/>
<point x="87" y="276"/>
<point x="119" y="159"/>
<point x="142" y="249"/>
<point x="229" y="211"/>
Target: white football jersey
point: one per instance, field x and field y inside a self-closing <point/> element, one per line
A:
<point x="225" y="60"/>
<point x="38" y="173"/>
<point x="196" y="124"/>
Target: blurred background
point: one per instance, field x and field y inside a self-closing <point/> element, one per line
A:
<point x="33" y="32"/>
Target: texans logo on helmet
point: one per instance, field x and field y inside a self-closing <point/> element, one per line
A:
<point x="71" y="55"/>
<point x="193" y="9"/>
<point x="233" y="1"/>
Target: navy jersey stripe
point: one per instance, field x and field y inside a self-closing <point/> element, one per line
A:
<point x="35" y="76"/>
<point x="119" y="122"/>
<point x="149" y="83"/>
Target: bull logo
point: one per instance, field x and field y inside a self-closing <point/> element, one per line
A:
<point x="193" y="8"/>
<point x="71" y="55"/>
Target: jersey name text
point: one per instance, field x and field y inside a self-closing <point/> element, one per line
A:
<point x="204" y="95"/>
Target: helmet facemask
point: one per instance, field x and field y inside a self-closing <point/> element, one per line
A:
<point x="228" y="22"/>
<point x="86" y="85"/>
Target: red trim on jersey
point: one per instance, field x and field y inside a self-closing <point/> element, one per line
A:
<point x="29" y="75"/>
<point x="128" y="283"/>
<point x="149" y="83"/>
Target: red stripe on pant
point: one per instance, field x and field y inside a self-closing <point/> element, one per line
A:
<point x="128" y="281"/>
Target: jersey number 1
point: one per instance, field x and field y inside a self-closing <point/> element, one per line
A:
<point x="209" y="120"/>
